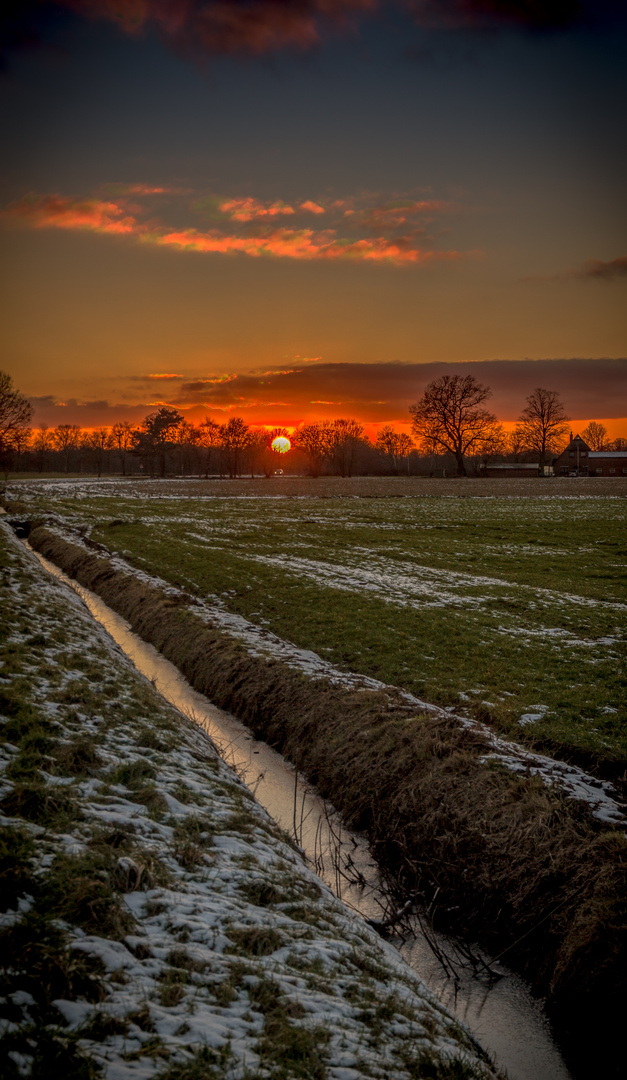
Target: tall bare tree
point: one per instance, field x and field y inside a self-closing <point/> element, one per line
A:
<point x="125" y="436"/>
<point x="396" y="445"/>
<point x="310" y="438"/>
<point x="65" y="438"/>
<point x="544" y="424"/>
<point x="595" y="435"/>
<point x="15" y="413"/>
<point x="449" y="419"/>
<point x="98" y="442"/>
<point x="235" y="437"/>
<point x="42" y="443"/>
<point x="209" y="441"/>
<point x="342" y="439"/>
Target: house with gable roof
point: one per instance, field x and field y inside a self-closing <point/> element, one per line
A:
<point x="579" y="460"/>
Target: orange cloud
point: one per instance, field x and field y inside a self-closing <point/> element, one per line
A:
<point x="247" y="234"/>
<point x="312" y="207"/>
<point x="165" y="376"/>
<point x="302" y="244"/>
<point x="54" y="211"/>
<point x="251" y="209"/>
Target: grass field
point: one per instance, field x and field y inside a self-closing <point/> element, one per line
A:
<point x="511" y="609"/>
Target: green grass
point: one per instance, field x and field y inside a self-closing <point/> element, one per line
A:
<point x="545" y="634"/>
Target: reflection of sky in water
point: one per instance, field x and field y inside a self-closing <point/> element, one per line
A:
<point x="502" y="1016"/>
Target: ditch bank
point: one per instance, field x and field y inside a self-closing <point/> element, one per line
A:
<point x="498" y="856"/>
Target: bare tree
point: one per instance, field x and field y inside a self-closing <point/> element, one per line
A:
<point x="544" y="423"/>
<point x="125" y="436"/>
<point x="311" y="439"/>
<point x="15" y="413"/>
<point x="595" y="435"/>
<point x="22" y="440"/>
<point x="235" y="437"/>
<point x="65" y="438"/>
<point x="99" y="442"/>
<point x="42" y="444"/>
<point x="449" y="418"/>
<point x="209" y="441"/>
<point x="342" y="438"/>
<point x="396" y="445"/>
<point x="515" y="442"/>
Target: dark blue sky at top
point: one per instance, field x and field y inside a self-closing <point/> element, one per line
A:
<point x="393" y="107"/>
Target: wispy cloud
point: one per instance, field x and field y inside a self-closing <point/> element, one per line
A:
<point x="253" y="27"/>
<point x="591" y="270"/>
<point x="303" y="244"/>
<point x="253" y="210"/>
<point x="57" y="212"/>
<point x="383" y="233"/>
<point x="603" y="271"/>
<point x="396" y="214"/>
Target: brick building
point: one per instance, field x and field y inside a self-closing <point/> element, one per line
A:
<point x="607" y="463"/>
<point x="579" y="460"/>
<point x="573" y="461"/>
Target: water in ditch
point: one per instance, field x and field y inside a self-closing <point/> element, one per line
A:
<point x="501" y="1014"/>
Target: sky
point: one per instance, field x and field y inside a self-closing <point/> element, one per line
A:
<point x="289" y="209"/>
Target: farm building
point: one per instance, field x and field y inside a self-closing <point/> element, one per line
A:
<point x="579" y="460"/>
<point x="607" y="463"/>
<point x="517" y="469"/>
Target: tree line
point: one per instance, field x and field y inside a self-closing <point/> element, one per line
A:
<point x="452" y="432"/>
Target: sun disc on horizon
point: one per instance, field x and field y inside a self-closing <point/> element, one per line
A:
<point x="281" y="444"/>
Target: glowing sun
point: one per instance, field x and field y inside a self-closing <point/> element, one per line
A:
<point x="281" y="445"/>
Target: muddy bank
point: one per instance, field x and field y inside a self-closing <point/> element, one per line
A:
<point x="500" y="857"/>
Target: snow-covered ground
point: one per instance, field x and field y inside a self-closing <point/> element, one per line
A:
<point x="147" y="864"/>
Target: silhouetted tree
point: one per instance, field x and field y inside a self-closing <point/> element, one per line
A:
<point x="157" y="437"/>
<point x="544" y="424"/>
<point x="342" y="438"/>
<point x="42" y="443"/>
<point x="98" y="442"/>
<point x="209" y="440"/>
<point x="65" y="438"/>
<point x="311" y="439"/>
<point x="595" y="435"/>
<point x="125" y="436"/>
<point x="449" y="417"/>
<point x="15" y="415"/>
<point x="234" y="437"/>
<point x="395" y="445"/>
